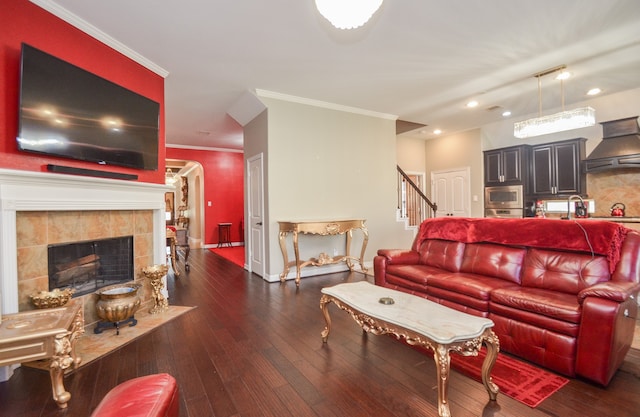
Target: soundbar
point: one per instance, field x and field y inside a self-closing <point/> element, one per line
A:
<point x="90" y="172"/>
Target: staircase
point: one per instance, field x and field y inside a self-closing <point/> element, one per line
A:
<point x="413" y="205"/>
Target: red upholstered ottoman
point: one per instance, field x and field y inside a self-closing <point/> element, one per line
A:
<point x="146" y="396"/>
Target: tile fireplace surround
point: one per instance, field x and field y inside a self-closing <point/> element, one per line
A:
<point x="43" y="208"/>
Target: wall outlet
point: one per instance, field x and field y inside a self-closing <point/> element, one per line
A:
<point x="335" y="251"/>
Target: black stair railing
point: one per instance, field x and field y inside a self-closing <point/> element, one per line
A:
<point x="412" y="203"/>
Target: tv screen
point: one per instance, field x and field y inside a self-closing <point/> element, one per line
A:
<point x="68" y="112"/>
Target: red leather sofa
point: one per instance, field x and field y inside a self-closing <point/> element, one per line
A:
<point x="562" y="293"/>
<point x="147" y="396"/>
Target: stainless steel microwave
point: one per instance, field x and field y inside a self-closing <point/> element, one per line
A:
<point x="504" y="197"/>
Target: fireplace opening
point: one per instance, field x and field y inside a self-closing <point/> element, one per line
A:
<point x="89" y="265"/>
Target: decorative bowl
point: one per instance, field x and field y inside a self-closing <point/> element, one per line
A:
<point x="52" y="299"/>
<point x="118" y="302"/>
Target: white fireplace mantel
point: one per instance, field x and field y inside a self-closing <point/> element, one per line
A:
<point x="44" y="191"/>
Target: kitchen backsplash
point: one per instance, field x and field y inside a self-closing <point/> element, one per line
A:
<point x="615" y="186"/>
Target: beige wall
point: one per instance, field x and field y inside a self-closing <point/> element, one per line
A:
<point x="410" y="154"/>
<point x="457" y="152"/>
<point x="325" y="163"/>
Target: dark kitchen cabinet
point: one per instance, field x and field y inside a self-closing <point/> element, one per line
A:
<point x="506" y="166"/>
<point x="556" y="168"/>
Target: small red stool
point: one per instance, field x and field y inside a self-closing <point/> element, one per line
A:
<point x="147" y="396"/>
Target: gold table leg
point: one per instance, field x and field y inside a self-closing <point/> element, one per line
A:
<point x="296" y="252"/>
<point x="60" y="361"/>
<point x="493" y="346"/>
<point x="443" y="366"/>
<point x="172" y="255"/>
<point x="285" y="257"/>
<point x="324" y="301"/>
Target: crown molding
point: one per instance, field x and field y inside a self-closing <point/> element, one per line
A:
<point x="93" y="31"/>
<point x="323" y="104"/>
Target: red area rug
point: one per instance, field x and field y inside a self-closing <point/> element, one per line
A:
<point x="519" y="380"/>
<point x="234" y="254"/>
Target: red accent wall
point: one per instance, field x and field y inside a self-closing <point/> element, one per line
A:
<point x="223" y="186"/>
<point x="22" y="21"/>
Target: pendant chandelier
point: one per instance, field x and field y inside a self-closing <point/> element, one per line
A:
<point x="348" y="14"/>
<point x="558" y="122"/>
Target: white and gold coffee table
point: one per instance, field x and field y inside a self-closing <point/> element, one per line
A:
<point x="419" y="322"/>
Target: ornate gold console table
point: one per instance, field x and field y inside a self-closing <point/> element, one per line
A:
<point x="40" y="334"/>
<point x="324" y="228"/>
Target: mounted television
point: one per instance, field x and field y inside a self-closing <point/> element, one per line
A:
<point x="68" y="112"/>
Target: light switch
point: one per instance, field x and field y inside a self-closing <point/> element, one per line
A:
<point x="209" y="203"/>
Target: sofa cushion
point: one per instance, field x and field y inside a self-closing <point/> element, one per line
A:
<point x="567" y="272"/>
<point x="465" y="289"/>
<point x="415" y="276"/>
<point x="499" y="261"/>
<point x="540" y="302"/>
<point x="442" y="254"/>
<point x="536" y="344"/>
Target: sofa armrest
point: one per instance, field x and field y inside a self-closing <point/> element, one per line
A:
<point x="612" y="290"/>
<point x="400" y="256"/>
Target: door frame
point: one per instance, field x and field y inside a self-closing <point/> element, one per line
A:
<point x="251" y="182"/>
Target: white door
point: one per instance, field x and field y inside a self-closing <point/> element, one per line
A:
<point x="450" y="190"/>
<point x="256" y="213"/>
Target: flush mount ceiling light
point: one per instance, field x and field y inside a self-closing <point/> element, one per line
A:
<point x="348" y="14"/>
<point x="558" y="122"/>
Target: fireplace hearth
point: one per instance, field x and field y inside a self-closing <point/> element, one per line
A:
<point x="87" y="266"/>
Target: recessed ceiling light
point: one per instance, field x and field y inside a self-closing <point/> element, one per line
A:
<point x="506" y="113"/>
<point x="472" y="104"/>
<point x="594" y="91"/>
<point x="437" y="131"/>
<point x="563" y="75"/>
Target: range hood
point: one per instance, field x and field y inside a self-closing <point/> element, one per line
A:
<point x="619" y="148"/>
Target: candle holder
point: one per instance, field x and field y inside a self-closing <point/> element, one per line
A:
<point x="154" y="274"/>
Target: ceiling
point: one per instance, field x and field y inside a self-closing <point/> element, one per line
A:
<point x="420" y="60"/>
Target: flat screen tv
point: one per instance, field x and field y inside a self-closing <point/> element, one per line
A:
<point x="68" y="112"/>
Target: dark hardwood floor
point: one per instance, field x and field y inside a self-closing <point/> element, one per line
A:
<point x="251" y="348"/>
